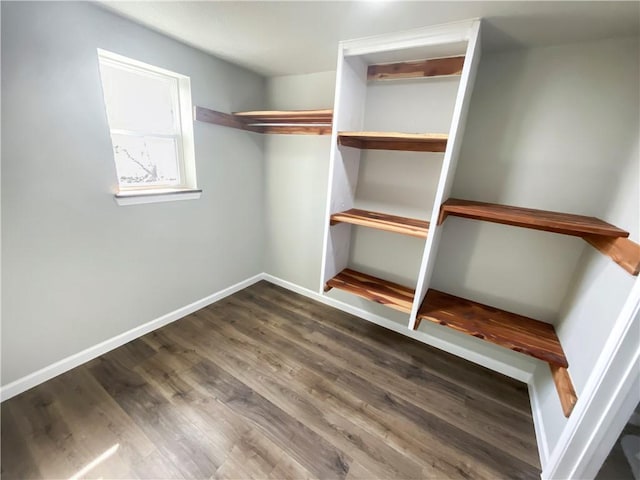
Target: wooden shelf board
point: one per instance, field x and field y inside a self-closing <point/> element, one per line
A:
<point x="383" y="221"/>
<point x="296" y="129"/>
<point x="623" y="251"/>
<point x="287" y="116"/>
<point x="310" y="122"/>
<point x="564" y="387"/>
<point x="412" y="142"/>
<point x="375" y="289"/>
<point x="516" y="332"/>
<point x="207" y="115"/>
<point x="565" y="223"/>
<point x="422" y="68"/>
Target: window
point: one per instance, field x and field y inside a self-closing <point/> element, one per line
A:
<point x="149" y="114"/>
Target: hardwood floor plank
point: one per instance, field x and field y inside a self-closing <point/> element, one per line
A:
<point x="101" y="428"/>
<point x="175" y="436"/>
<point x="448" y="399"/>
<point x="288" y="469"/>
<point x="253" y="456"/>
<point x="385" y="401"/>
<point x="507" y="392"/>
<point x="268" y="384"/>
<point x="267" y="373"/>
<point x="222" y="428"/>
<point x="37" y="414"/>
<point x="21" y="463"/>
<point x="309" y="449"/>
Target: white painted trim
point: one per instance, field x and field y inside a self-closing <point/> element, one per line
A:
<point x="25" y="383"/>
<point x="538" y="425"/>
<point x="522" y="371"/>
<point x="140" y="197"/>
<point x="432" y="35"/>
<point x="449" y="164"/>
<point x="181" y="99"/>
<point x="587" y="437"/>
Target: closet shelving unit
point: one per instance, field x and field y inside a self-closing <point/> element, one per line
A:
<point x="412" y="60"/>
<point x="422" y="55"/>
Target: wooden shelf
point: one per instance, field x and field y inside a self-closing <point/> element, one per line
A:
<point x="623" y="251"/>
<point x="300" y="122"/>
<point x="516" y="332"/>
<point x="375" y="289"/>
<point x="287" y="116"/>
<point x="411" y="142"/>
<point x="565" y="223"/>
<point x="564" y="387"/>
<point x="382" y="221"/>
<point x="434" y="67"/>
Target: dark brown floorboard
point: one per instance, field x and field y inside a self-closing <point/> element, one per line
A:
<point x="268" y="384"/>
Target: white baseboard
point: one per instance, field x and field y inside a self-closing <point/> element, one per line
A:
<point x="29" y="381"/>
<point x="538" y="425"/>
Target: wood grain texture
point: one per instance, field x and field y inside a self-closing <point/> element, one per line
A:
<point x="297" y="129"/>
<point x="410" y="142"/>
<point x="557" y="222"/>
<point x="564" y="386"/>
<point x="300" y="122"/>
<point x="207" y="115"/>
<point x="271" y="117"/>
<point x="268" y="384"/>
<point x="623" y="251"/>
<point x="421" y="68"/>
<point x="375" y="289"/>
<point x="383" y="221"/>
<point x="516" y="332"/>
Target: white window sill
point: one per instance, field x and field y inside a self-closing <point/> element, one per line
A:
<point x="156" y="196"/>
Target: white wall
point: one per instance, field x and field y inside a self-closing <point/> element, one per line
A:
<point x="77" y="268"/>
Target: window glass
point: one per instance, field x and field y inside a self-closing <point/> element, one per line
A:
<point x="152" y="136"/>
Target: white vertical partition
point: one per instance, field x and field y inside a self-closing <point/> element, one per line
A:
<point x="454" y="143"/>
<point x="350" y="101"/>
<point x="348" y="112"/>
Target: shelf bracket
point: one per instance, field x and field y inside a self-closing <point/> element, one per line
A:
<point x="623" y="251"/>
<point x="564" y="386"/>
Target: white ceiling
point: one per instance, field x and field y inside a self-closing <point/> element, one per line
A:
<point x="282" y="38"/>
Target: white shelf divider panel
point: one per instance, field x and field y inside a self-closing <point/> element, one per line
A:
<point x="348" y="114"/>
<point x="350" y="109"/>
<point x="456" y="132"/>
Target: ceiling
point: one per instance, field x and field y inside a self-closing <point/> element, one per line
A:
<point x="293" y="37"/>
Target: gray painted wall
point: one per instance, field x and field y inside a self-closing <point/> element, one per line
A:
<point x="78" y="269"/>
<point x="296" y="179"/>
<point x="548" y="128"/>
<point x="553" y="128"/>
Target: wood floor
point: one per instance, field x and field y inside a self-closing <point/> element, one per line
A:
<point x="268" y="384"/>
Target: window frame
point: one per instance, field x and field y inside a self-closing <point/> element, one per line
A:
<point x="183" y="134"/>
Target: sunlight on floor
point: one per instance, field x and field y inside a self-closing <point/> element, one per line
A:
<point x="95" y="462"/>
